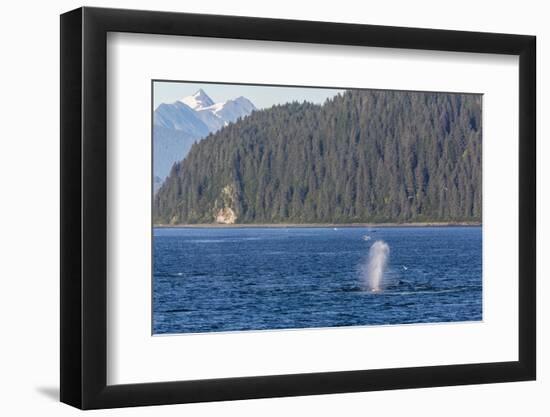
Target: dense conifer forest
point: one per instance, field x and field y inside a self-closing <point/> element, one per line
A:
<point x="363" y="156"/>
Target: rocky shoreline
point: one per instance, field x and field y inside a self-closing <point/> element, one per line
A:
<point x="317" y="225"/>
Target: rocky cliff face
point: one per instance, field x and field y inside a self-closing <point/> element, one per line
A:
<point x="225" y="216"/>
<point x="224" y="211"/>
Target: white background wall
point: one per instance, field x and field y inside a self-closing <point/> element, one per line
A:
<point x="29" y="173"/>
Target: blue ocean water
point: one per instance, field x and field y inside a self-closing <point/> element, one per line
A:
<point x="235" y="279"/>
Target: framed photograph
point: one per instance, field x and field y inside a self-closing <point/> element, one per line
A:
<point x="257" y="208"/>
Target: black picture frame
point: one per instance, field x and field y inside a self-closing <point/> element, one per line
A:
<point x="84" y="207"/>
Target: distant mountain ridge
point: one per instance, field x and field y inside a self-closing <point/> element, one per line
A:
<point x="365" y="156"/>
<point x="176" y="126"/>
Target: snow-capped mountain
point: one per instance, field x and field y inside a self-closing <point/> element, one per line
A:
<point x="176" y="126"/>
<point x="231" y="110"/>
<point x="198" y="101"/>
<point x="217" y="115"/>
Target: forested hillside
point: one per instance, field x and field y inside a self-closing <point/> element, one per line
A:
<point x="363" y="156"/>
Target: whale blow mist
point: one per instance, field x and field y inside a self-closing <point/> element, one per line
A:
<point x="372" y="272"/>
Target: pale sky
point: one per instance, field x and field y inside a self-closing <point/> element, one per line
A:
<point x="262" y="96"/>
